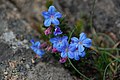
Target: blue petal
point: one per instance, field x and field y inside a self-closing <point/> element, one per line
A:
<point x="45" y="14"/>
<point x="81" y="48"/>
<point x="74" y="40"/>
<point x="72" y="47"/>
<point x="55" y="45"/>
<point x="63" y="55"/>
<point x="37" y="44"/>
<point x="53" y="40"/>
<point x="35" y="50"/>
<point x="82" y="36"/>
<point x="87" y="42"/>
<point x="51" y="10"/>
<point x="58" y="15"/>
<point x="55" y="21"/>
<point x="32" y="41"/>
<point x="40" y="52"/>
<point x="32" y="47"/>
<point x="65" y="42"/>
<point x="76" y="57"/>
<point x="57" y="31"/>
<point x="56" y="26"/>
<point x="60" y="46"/>
<point x="64" y="38"/>
<point x="82" y="54"/>
<point x="47" y="22"/>
<point x="70" y="55"/>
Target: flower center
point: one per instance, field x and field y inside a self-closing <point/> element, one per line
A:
<point x="66" y="49"/>
<point x="60" y="41"/>
<point x="52" y="16"/>
<point x="80" y="43"/>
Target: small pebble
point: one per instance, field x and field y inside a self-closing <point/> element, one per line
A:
<point x="5" y="73"/>
<point x="33" y="61"/>
<point x="27" y="66"/>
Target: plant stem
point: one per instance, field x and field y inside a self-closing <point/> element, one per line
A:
<point x="118" y="59"/>
<point x="77" y="70"/>
<point x="107" y="67"/>
<point x="71" y="34"/>
<point x="69" y="59"/>
<point x="108" y="49"/>
<point x="108" y="37"/>
<point x="92" y="13"/>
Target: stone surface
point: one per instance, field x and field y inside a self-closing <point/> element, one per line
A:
<point x="16" y="58"/>
<point x="48" y="72"/>
<point x="106" y="13"/>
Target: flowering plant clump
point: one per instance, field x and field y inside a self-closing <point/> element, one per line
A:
<point x="73" y="50"/>
<point x="66" y="47"/>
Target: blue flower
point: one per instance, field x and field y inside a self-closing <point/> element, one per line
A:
<point x="62" y="45"/>
<point x="59" y="42"/>
<point x="57" y="31"/>
<point x="51" y="16"/>
<point x="82" y="42"/>
<point x="78" y="54"/>
<point x="71" y="52"/>
<point x="67" y="51"/>
<point x="36" y="48"/>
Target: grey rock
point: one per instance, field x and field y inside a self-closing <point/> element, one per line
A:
<point x="3" y="26"/>
<point x="106" y="13"/>
<point x="49" y="72"/>
<point x="27" y="66"/>
<point x="15" y="33"/>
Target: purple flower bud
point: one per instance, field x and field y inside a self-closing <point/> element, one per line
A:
<point x="57" y="31"/>
<point x="43" y="45"/>
<point x="49" y="48"/>
<point x="48" y="31"/>
<point x="54" y="50"/>
<point x="63" y="60"/>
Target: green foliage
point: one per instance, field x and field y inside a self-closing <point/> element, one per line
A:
<point x="102" y="62"/>
<point x="79" y="27"/>
<point x="49" y="3"/>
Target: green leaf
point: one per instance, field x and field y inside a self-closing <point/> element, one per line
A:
<point x="79" y="27"/>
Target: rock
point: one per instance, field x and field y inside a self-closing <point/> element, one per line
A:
<point x="3" y="26"/>
<point x="15" y="33"/>
<point x="5" y="73"/>
<point x="49" y="72"/>
<point x="27" y="66"/>
<point x="8" y="36"/>
<point x="106" y="13"/>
